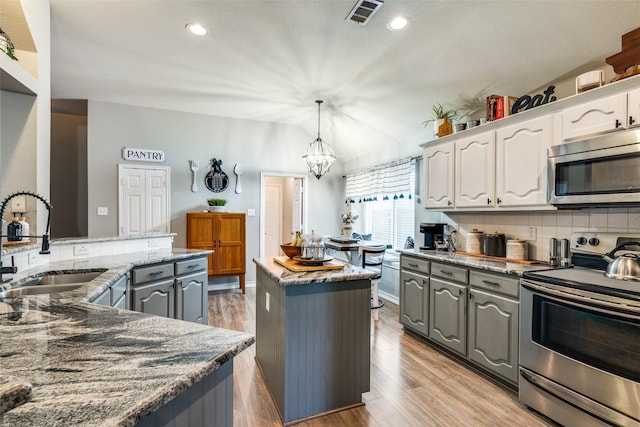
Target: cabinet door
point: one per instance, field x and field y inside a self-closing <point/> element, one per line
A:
<point x="475" y="171"/>
<point x="591" y="118"/>
<point x="414" y="301"/>
<point x="200" y="235"/>
<point x="493" y="333"/>
<point x="521" y="177"/>
<point x="229" y="238"/>
<point x="155" y="298"/>
<point x="438" y="173"/>
<point x="119" y="295"/>
<point x="191" y="298"/>
<point x="104" y="298"/>
<point x="447" y="314"/>
<point x="634" y="108"/>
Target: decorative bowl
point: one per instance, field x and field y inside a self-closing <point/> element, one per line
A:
<point x="291" y="250"/>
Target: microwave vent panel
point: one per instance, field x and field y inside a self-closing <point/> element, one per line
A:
<point x="363" y="11"/>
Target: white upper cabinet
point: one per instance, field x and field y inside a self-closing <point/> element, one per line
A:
<point x="475" y="171"/>
<point x="521" y="153"/>
<point x="634" y="108"/>
<point x="591" y="118"/>
<point x="438" y="173"/>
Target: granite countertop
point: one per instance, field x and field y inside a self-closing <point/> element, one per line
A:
<point x="286" y="277"/>
<point x="85" y="364"/>
<point x="504" y="267"/>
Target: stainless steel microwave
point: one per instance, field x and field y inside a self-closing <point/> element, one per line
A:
<point x="595" y="172"/>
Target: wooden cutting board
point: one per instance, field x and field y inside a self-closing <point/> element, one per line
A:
<point x="497" y="258"/>
<point x="296" y="267"/>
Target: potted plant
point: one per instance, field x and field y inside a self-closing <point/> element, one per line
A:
<point x="216" y="205"/>
<point x="442" y="120"/>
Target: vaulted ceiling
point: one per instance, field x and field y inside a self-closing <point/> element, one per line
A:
<point x="270" y="60"/>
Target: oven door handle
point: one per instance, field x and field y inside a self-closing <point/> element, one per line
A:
<point x="591" y="406"/>
<point x="603" y="304"/>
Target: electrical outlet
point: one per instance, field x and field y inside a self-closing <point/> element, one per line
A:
<point x="103" y="211"/>
<point x="268" y="298"/>
<point x="533" y="231"/>
<point x="33" y="257"/>
<point x="80" y="250"/>
<point x="251" y="212"/>
<point x="153" y="243"/>
<point x="19" y="204"/>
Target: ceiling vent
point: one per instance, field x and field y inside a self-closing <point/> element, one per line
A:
<point x="363" y="11"/>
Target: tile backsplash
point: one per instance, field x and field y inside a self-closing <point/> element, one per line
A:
<point x="544" y="224"/>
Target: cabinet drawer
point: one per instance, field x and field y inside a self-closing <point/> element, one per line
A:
<point x="495" y="282"/>
<point x="448" y="271"/>
<point x="415" y="264"/>
<point x="151" y="273"/>
<point x="191" y="265"/>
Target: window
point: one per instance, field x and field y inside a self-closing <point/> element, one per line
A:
<point x="385" y="204"/>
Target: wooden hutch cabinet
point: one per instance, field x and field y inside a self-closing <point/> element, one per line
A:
<point x="225" y="234"/>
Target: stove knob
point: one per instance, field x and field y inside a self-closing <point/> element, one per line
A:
<point x="582" y="240"/>
<point x="594" y="241"/>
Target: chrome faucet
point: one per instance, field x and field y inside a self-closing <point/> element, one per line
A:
<point x="45" y="237"/>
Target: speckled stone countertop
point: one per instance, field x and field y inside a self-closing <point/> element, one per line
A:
<point x="36" y="243"/>
<point x="503" y="267"/>
<point x="287" y="277"/>
<point x="85" y="364"/>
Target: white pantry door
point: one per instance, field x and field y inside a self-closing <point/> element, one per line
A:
<point x="144" y="200"/>
<point x="273" y="219"/>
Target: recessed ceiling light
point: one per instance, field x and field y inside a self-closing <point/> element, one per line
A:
<point x="196" y="29"/>
<point x="397" y="24"/>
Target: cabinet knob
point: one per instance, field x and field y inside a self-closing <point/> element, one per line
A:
<point x="488" y="201"/>
<point x="460" y="292"/>
<point x="449" y="203"/>
<point x="631" y="121"/>
<point x="618" y="124"/>
<point x="499" y="201"/>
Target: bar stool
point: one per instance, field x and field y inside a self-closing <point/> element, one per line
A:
<point x="372" y="258"/>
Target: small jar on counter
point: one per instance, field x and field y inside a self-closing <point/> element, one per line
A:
<point x="475" y="242"/>
<point x="517" y="249"/>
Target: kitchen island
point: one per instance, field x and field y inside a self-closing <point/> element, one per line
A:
<point x="84" y="364"/>
<point x="313" y="338"/>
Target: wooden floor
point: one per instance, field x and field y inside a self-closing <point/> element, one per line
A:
<point x="412" y="384"/>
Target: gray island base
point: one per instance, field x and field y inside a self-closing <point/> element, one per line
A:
<point x="313" y="338"/>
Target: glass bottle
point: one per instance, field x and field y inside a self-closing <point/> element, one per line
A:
<point x="14" y="230"/>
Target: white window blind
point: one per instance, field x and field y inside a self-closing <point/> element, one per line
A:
<point x="382" y="196"/>
<point x="391" y="179"/>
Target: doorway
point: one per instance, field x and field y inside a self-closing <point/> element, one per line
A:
<point x="283" y="210"/>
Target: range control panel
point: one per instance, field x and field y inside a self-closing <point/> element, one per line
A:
<point x="599" y="243"/>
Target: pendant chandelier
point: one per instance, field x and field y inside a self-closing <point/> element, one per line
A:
<point x="319" y="156"/>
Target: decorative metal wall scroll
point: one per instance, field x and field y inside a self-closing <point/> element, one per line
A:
<point x="216" y="180"/>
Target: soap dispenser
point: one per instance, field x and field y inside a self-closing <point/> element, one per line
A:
<point x="14" y="230"/>
<point x="25" y="227"/>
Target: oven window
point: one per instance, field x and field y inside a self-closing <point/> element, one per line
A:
<point x="609" y="175"/>
<point x="607" y="342"/>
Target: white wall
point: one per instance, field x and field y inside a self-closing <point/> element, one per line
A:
<point x="259" y="146"/>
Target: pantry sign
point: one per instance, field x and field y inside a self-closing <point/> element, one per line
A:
<point x="142" y="155"/>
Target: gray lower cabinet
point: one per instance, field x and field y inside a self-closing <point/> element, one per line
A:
<point x="493" y="323"/>
<point x="155" y="298"/>
<point x="472" y="312"/>
<point x="117" y="294"/>
<point x="190" y="304"/>
<point x="177" y="290"/>
<point x="414" y="293"/>
<point x="447" y="314"/>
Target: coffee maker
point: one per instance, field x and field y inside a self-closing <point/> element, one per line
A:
<point x="433" y="234"/>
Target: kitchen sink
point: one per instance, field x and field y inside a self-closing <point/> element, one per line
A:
<point x="38" y="290"/>
<point x="52" y="283"/>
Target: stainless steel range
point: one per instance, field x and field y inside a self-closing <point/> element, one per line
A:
<point x="580" y="338"/>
